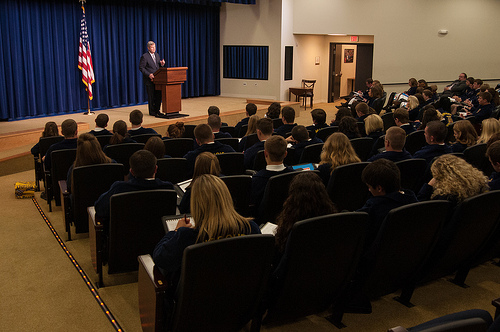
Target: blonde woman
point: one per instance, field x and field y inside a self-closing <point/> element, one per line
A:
<point x="337" y="151"/>
<point x="252" y="129"/>
<point x="489" y="126"/>
<point x="215" y="218"/>
<point x="465" y="135"/>
<point x="374" y="126"/>
<point x="453" y="179"/>
<point x="206" y="163"/>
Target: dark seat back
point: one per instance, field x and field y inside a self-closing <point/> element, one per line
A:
<point x="88" y="183"/>
<point x="135" y="225"/>
<point x="231" y="163"/>
<point x="277" y="122"/>
<point x="173" y="170"/>
<point x="239" y="186"/>
<point x="275" y="194"/>
<point x="122" y="153"/>
<point x="178" y="147"/>
<point x="361" y="128"/>
<point x="103" y="140"/>
<point x="228" y="129"/>
<point x="144" y="137"/>
<point x="235" y="275"/>
<point x="403" y="244"/>
<point x="388" y="119"/>
<point x="61" y="161"/>
<point x="232" y="142"/>
<point x="251" y="140"/>
<point x="476" y="156"/>
<point x="378" y="104"/>
<point x="45" y="142"/>
<point x="471" y="226"/>
<point x="345" y="187"/>
<point x="323" y="133"/>
<point x="306" y="282"/>
<point x="362" y="146"/>
<point x="260" y="161"/>
<point x="189" y="131"/>
<point x="243" y="130"/>
<point x="415" y="141"/>
<point x="412" y="171"/>
<point x="311" y="154"/>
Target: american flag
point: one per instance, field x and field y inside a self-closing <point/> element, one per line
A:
<point x="84" y="56"/>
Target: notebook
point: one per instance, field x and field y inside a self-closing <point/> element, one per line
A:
<point x="170" y="222"/>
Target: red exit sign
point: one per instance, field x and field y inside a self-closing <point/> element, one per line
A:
<point x="354" y="38"/>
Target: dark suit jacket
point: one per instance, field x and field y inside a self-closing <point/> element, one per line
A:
<point x="148" y="66"/>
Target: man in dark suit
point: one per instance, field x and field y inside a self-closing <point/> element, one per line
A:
<point x="288" y="118"/>
<point x="435" y="134"/>
<point x="457" y="87"/>
<point x="148" y="64"/>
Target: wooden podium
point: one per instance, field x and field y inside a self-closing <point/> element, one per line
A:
<point x="169" y="80"/>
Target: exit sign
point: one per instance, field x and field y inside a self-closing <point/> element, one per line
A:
<point x="354" y="38"/>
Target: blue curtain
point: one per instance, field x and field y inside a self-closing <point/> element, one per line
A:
<point x="39" y="72"/>
<point x="246" y="62"/>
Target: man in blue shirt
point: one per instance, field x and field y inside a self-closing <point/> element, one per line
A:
<point x="135" y="119"/>
<point x="288" y="119"/>
<point x="395" y="139"/>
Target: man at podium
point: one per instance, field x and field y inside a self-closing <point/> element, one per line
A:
<point x="148" y="64"/>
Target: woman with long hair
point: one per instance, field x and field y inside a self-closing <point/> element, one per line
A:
<point x="337" y="151"/>
<point x="214" y="217"/>
<point x="49" y="131"/>
<point x="453" y="179"/>
<point x="374" y="126"/>
<point x="465" y="135"/>
<point x="175" y="130"/>
<point x="349" y="127"/>
<point x="252" y="129"/>
<point x="342" y="112"/>
<point x="206" y="163"/>
<point x="156" y="146"/>
<point x="412" y="82"/>
<point x="413" y="107"/>
<point x="120" y="134"/>
<point x="88" y="152"/>
<point x="307" y="198"/>
<point x="430" y="114"/>
<point x="489" y="127"/>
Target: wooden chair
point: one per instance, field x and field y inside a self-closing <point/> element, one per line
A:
<point x="235" y="274"/>
<point x="88" y="183"/>
<point x="135" y="227"/>
<point x="308" y="84"/>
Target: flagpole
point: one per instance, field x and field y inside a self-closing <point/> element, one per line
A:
<point x="82" y="2"/>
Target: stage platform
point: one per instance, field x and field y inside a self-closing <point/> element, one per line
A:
<point x="17" y="137"/>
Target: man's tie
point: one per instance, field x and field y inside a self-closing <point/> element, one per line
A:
<point x="154" y="59"/>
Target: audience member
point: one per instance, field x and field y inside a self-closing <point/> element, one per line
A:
<point x="156" y="146"/>
<point x="273" y="111"/>
<point x="206" y="163"/>
<point x="252" y="129"/>
<point x="176" y="130"/>
<point x="307" y="198"/>
<point x="342" y="112"/>
<point x="412" y="82"/>
<point x="215" y="110"/>
<point x="349" y="127"/>
<point x="489" y="127"/>
<point x="288" y="119"/>
<point x="205" y="139"/>
<point x="88" y="152"/>
<point x="49" y="131"/>
<point x="395" y="139"/>
<point x="362" y="111"/>
<point x="143" y="169"/>
<point x="493" y="154"/>
<point x="135" y="119"/>
<point x="453" y="179"/>
<point x="69" y="129"/>
<point x="300" y="139"/>
<point x="319" y="120"/>
<point x="402" y="120"/>
<point x="120" y="134"/>
<point x="413" y="106"/>
<point x="337" y="151"/>
<point x="264" y="130"/>
<point x="374" y="126"/>
<point x="215" y="123"/>
<point x="422" y="83"/>
<point x="383" y="179"/>
<point x="101" y="122"/>
<point x="484" y="109"/>
<point x="435" y="134"/>
<point x="430" y="114"/>
<point x="465" y="136"/>
<point x="215" y="218"/>
<point x="250" y="109"/>
<point x="457" y="87"/>
<point x="275" y="152"/>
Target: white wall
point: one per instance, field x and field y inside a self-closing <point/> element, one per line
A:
<point x="406" y="40"/>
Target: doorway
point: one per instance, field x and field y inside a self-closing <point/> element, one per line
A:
<point x="350" y="65"/>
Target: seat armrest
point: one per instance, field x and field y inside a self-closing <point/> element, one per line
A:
<point x="66" y="206"/>
<point x="397" y="329"/>
<point x="250" y="172"/>
<point x="96" y="240"/>
<point x="63" y="187"/>
<point x="153" y="272"/>
<point x="496" y="304"/>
